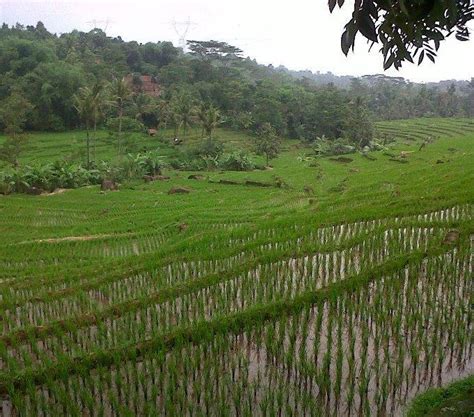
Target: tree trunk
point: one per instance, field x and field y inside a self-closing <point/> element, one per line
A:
<point x="95" y="139"/>
<point x="16" y="162"/>
<point x="88" y="147"/>
<point x="120" y="127"/>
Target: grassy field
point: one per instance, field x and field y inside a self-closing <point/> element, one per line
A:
<point x="48" y="147"/>
<point x="336" y="295"/>
<point x="455" y="400"/>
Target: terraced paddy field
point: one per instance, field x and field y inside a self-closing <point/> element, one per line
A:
<point x="346" y="292"/>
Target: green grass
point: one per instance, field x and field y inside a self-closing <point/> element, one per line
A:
<point x="48" y="147"/>
<point x="455" y="400"/>
<point x="94" y="282"/>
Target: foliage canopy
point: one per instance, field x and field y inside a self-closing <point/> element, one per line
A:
<point x="406" y="28"/>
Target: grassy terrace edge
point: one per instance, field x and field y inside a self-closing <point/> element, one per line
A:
<point x="436" y="398"/>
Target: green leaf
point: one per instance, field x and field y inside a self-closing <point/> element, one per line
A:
<point x="420" y="57"/>
<point x="403" y="7"/>
<point x="366" y="26"/>
<point x="345" y="45"/>
<point x="389" y="62"/>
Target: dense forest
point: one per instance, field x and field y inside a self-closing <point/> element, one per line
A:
<point x="47" y="72"/>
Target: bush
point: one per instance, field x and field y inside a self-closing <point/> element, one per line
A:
<point x="204" y="156"/>
<point x="128" y="125"/>
<point x="150" y="162"/>
<point x="236" y="161"/>
<point x="326" y="147"/>
<point x="115" y="172"/>
<point x="62" y="174"/>
<point x="47" y="177"/>
<point x="186" y="163"/>
<point x="7" y="182"/>
<point x="66" y="175"/>
<point x="208" y="148"/>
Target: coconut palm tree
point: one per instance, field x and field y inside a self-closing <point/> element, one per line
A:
<point x="174" y="119"/>
<point x="201" y="113"/>
<point x="142" y="105"/>
<point x="120" y="93"/>
<point x="162" y="111"/>
<point x="210" y="118"/>
<point x="99" y="101"/>
<point x="183" y="107"/>
<point x="84" y="105"/>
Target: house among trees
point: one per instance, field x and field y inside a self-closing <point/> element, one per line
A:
<point x="145" y="84"/>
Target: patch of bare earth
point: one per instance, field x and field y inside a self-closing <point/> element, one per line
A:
<point x="76" y="238"/>
<point x="56" y="191"/>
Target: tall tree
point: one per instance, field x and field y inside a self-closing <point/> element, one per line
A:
<point x="359" y="128"/>
<point x="267" y="142"/>
<point x="13" y="115"/>
<point x="183" y="107"/>
<point x="448" y="102"/>
<point x="51" y="88"/>
<point x="469" y="101"/>
<point x="98" y="103"/>
<point x="120" y="93"/>
<point x="142" y="105"/>
<point x="161" y="112"/>
<point x="209" y="50"/>
<point x="86" y="109"/>
<point x="210" y="118"/>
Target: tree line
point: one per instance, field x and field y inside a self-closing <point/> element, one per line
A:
<point x="212" y="83"/>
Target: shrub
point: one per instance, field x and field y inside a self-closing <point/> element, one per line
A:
<point x="187" y="163"/>
<point x="208" y="148"/>
<point x="47" y="177"/>
<point x="326" y="147"/>
<point x="128" y="125"/>
<point x="115" y="172"/>
<point x="236" y="161"/>
<point x="7" y="182"/>
<point x="150" y="162"/>
<point x="62" y="174"/>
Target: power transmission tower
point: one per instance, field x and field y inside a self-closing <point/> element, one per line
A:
<point x="94" y="23"/>
<point x="182" y="29"/>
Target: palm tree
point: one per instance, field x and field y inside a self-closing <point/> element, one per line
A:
<point x="183" y="107"/>
<point x="162" y="112"/>
<point x="210" y="118"/>
<point x="84" y="105"/>
<point x="174" y="118"/>
<point x="120" y="93"/>
<point x="202" y="117"/>
<point x="142" y="105"/>
<point x="98" y="99"/>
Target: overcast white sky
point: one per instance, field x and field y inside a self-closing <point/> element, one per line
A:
<point x="300" y="34"/>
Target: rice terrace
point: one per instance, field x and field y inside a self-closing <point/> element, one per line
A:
<point x="169" y="258"/>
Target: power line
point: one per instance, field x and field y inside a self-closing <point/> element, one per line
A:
<point x="95" y="24"/>
<point x="182" y="29"/>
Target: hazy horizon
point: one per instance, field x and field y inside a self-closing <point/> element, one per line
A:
<point x="302" y="37"/>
